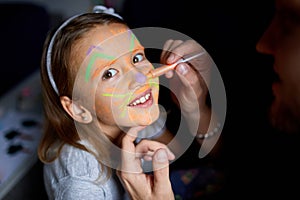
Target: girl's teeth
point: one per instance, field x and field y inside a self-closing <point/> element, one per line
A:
<point x="141" y="100"/>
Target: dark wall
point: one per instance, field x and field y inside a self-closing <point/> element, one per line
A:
<point x="23" y="31"/>
<point x="229" y="31"/>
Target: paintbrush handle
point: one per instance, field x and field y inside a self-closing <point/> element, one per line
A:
<point x="164" y="69"/>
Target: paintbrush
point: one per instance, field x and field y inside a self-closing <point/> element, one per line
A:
<point x="164" y="69"/>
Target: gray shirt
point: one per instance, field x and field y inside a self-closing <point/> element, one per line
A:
<point x="74" y="176"/>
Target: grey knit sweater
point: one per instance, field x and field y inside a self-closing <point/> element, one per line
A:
<point x="72" y="177"/>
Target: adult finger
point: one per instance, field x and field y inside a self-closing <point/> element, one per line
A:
<point x="129" y="161"/>
<point x="168" y="55"/>
<point x="187" y="75"/>
<point x="149" y="147"/>
<point x="161" y="179"/>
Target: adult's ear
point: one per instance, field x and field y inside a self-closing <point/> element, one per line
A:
<point x="77" y="112"/>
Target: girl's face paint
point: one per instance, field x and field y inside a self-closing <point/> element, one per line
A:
<point x="113" y="74"/>
<point x="140" y="78"/>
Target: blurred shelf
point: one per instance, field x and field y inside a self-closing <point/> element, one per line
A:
<point x="21" y="119"/>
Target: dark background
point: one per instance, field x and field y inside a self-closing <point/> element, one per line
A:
<point x="258" y="161"/>
<point x="23" y="31"/>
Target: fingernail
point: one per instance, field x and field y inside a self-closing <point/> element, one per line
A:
<point x="170" y="58"/>
<point x="161" y="156"/>
<point x="182" y="69"/>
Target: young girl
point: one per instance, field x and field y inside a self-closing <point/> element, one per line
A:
<point x="95" y="89"/>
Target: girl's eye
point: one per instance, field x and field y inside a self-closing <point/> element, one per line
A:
<point x="138" y="58"/>
<point x="109" y="73"/>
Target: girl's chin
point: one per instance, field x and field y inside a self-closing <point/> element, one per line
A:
<point x="146" y="120"/>
<point x="154" y="115"/>
<point x="139" y="118"/>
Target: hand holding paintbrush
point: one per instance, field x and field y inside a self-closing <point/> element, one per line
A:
<point x="164" y="69"/>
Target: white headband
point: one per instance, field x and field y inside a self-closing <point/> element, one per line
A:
<point x="96" y="9"/>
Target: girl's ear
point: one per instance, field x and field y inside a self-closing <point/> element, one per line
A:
<point x="77" y="112"/>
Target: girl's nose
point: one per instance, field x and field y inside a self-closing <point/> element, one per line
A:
<point x="138" y="80"/>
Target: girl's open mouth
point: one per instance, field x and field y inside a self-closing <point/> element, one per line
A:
<point x="144" y="100"/>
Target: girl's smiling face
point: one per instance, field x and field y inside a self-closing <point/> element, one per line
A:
<point x="112" y="77"/>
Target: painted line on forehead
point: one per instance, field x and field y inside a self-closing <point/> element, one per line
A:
<point x="91" y="48"/>
<point x="132" y="41"/>
<point x="119" y="31"/>
<point x="92" y="61"/>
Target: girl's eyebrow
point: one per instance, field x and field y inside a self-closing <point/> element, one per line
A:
<point x="92" y="60"/>
<point x="140" y="48"/>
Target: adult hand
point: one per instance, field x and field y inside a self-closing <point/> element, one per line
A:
<point x="190" y="81"/>
<point x="138" y="184"/>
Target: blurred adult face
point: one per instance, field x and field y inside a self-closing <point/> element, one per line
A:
<point x="282" y="41"/>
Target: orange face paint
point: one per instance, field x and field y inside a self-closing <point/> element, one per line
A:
<point x="142" y="89"/>
<point x="114" y="47"/>
<point x="119" y="30"/>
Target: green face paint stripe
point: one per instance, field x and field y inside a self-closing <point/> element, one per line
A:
<point x="126" y="102"/>
<point x="131" y="42"/>
<point x="133" y="38"/>
<point x="123" y="113"/>
<point x="92" y="61"/>
<point x="114" y="95"/>
<point x="108" y="95"/>
<point x="123" y="107"/>
<point x="154" y="84"/>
